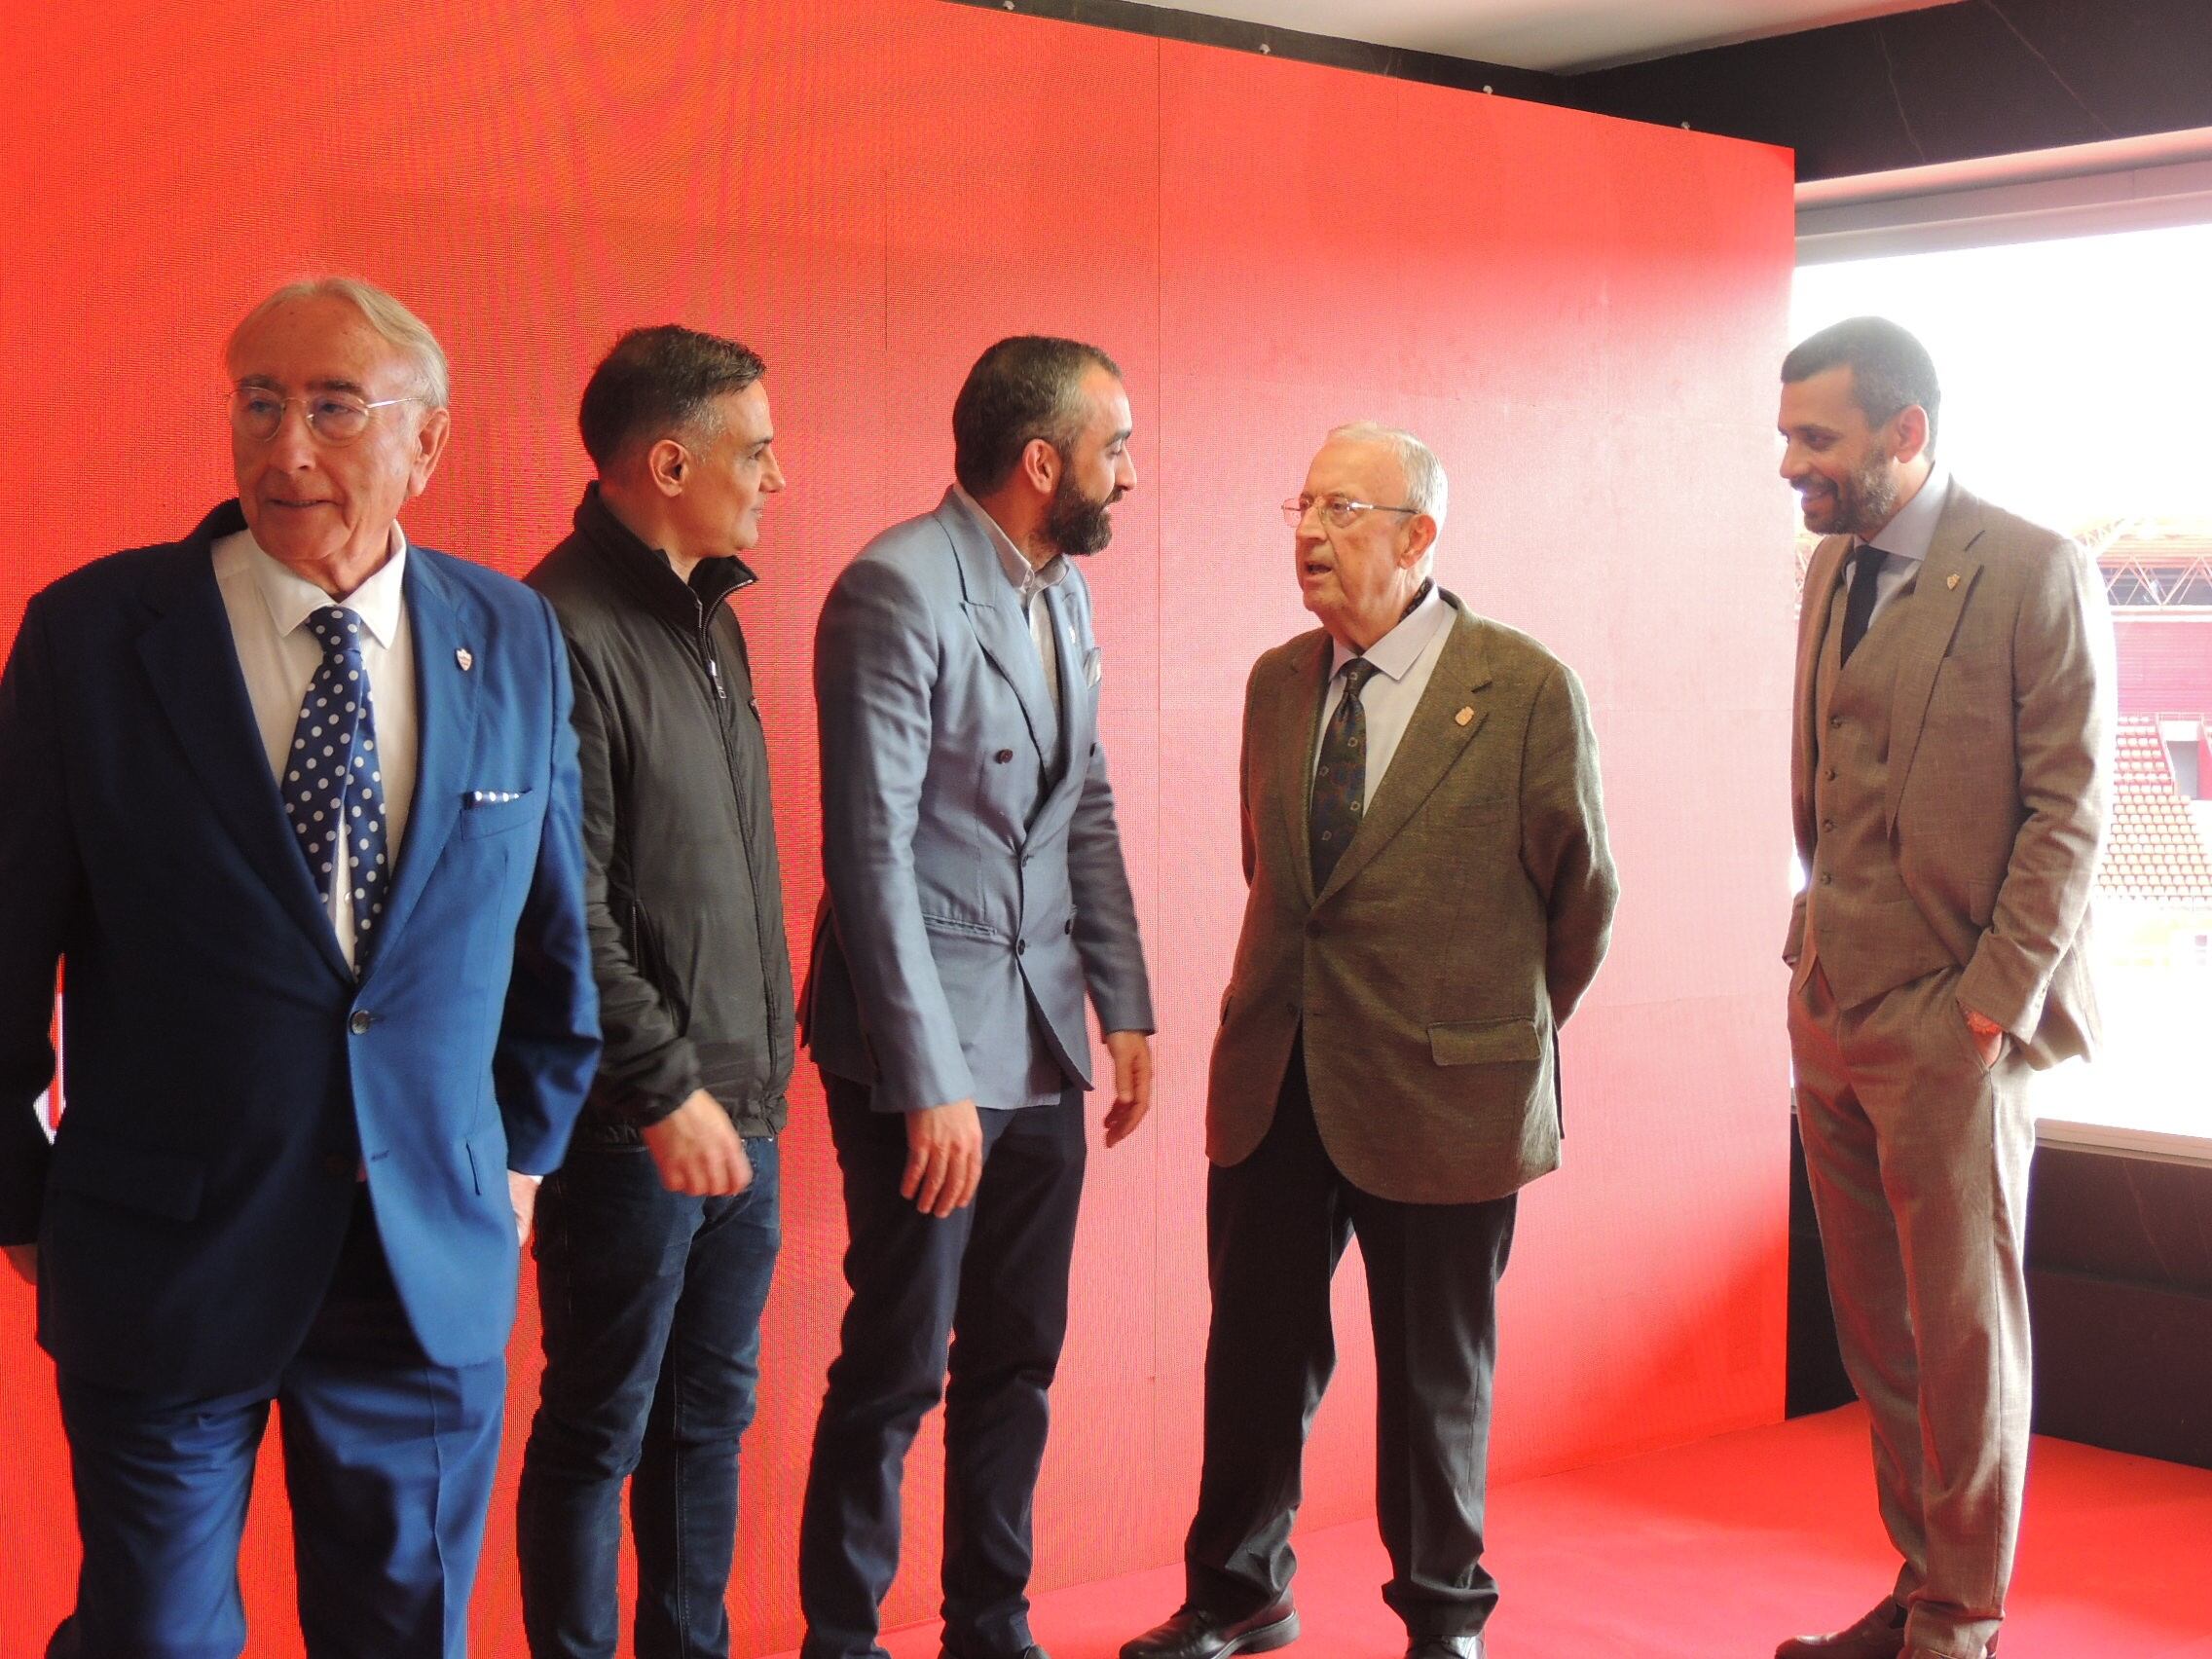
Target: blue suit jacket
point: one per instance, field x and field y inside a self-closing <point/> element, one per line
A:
<point x="225" y="1075"/>
<point x="971" y="894"/>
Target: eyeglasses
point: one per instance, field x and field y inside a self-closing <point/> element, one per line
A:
<point x="1336" y="509"/>
<point x="333" y="417"/>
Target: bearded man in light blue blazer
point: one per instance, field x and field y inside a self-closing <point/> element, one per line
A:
<point x="973" y="891"/>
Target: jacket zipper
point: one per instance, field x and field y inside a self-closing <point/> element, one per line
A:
<point x="744" y="829"/>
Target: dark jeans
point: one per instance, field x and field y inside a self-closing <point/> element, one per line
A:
<point x="1276" y="1225"/>
<point x="651" y="1306"/>
<point x="973" y="1307"/>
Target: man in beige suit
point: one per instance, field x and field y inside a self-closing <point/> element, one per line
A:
<point x="1948" y="785"/>
<point x="1431" y="895"/>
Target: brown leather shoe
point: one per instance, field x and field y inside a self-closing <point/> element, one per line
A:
<point x="1196" y="1634"/>
<point x="1880" y="1635"/>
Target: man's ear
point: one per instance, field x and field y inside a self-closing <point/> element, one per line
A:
<point x="1041" y="466"/>
<point x="1420" y="537"/>
<point x="1912" y="434"/>
<point x="430" y="444"/>
<point x="667" y="464"/>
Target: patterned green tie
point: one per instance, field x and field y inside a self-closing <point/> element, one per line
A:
<point x="1340" y="782"/>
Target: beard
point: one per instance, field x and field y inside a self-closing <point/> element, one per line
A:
<point x="1074" y="522"/>
<point x="1866" y="500"/>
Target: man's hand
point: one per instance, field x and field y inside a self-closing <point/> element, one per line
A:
<point x="23" y="1258"/>
<point x="522" y="1193"/>
<point x="944" y="1158"/>
<point x="1132" y="1082"/>
<point x="699" y="1150"/>
<point x="1988" y="1036"/>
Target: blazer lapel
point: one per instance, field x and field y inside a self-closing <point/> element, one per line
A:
<point x="194" y="666"/>
<point x="1434" y="739"/>
<point x="1297" y="699"/>
<point x="1822" y="577"/>
<point x="1947" y="576"/>
<point x="445" y="715"/>
<point x="1075" y="721"/>
<point x="1001" y="629"/>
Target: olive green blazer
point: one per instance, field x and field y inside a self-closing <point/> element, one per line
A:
<point x="1430" y="975"/>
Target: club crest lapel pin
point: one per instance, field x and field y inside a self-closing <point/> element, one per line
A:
<point x="1951" y="581"/>
<point x="466" y="657"/>
<point x="1462" y="716"/>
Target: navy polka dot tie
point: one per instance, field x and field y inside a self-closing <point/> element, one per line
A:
<point x="334" y="781"/>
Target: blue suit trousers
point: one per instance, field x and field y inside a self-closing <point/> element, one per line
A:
<point x="389" y="1462"/>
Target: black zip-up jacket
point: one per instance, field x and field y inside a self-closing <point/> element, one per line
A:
<point x="683" y="891"/>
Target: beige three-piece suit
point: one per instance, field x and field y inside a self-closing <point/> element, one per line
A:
<point x="1948" y="790"/>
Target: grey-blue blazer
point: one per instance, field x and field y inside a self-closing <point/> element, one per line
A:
<point x="971" y="889"/>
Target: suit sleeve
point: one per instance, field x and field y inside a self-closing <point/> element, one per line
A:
<point x="650" y="1065"/>
<point x="549" y="1037"/>
<point x="40" y="885"/>
<point x="1105" y="910"/>
<point x="1562" y="837"/>
<point x="875" y="666"/>
<point x="2062" y="698"/>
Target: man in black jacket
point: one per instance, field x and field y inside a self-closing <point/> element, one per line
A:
<point x="657" y="1239"/>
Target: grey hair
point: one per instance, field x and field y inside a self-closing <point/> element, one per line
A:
<point x="382" y="312"/>
<point x="1427" y="491"/>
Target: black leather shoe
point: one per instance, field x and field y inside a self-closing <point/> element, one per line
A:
<point x="1196" y="1634"/>
<point x="1880" y="1635"/>
<point x="1445" y="1647"/>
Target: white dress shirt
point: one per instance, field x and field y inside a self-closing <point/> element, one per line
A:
<point x="1905" y="538"/>
<point x="1404" y="658"/>
<point x="268" y="606"/>
<point x="1029" y="584"/>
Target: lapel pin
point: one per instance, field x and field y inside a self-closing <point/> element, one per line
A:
<point x="468" y="659"/>
<point x="1951" y="582"/>
<point x="1462" y="716"/>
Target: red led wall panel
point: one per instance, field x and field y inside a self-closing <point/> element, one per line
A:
<point x="1582" y="315"/>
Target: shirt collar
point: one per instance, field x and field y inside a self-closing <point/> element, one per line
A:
<point x="1395" y="652"/>
<point x="1027" y="578"/>
<point x="1912" y="531"/>
<point x="292" y="598"/>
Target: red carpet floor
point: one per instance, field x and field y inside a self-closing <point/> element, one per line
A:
<point x="1717" y="1550"/>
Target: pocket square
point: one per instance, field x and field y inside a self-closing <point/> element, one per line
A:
<point x="492" y="797"/>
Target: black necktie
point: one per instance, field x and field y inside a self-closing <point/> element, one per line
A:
<point x="1340" y="782"/>
<point x="1866" y="571"/>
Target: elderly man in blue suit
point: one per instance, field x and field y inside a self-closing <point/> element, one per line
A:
<point x="976" y="891"/>
<point x="294" y="804"/>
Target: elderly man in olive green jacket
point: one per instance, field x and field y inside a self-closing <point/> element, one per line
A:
<point x="1431" y="896"/>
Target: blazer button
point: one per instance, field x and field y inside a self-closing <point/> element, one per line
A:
<point x="1835" y="723"/>
<point x="359" y="1024"/>
<point x="1068" y="926"/>
<point x="1002" y="755"/>
<point x="1021" y="947"/>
